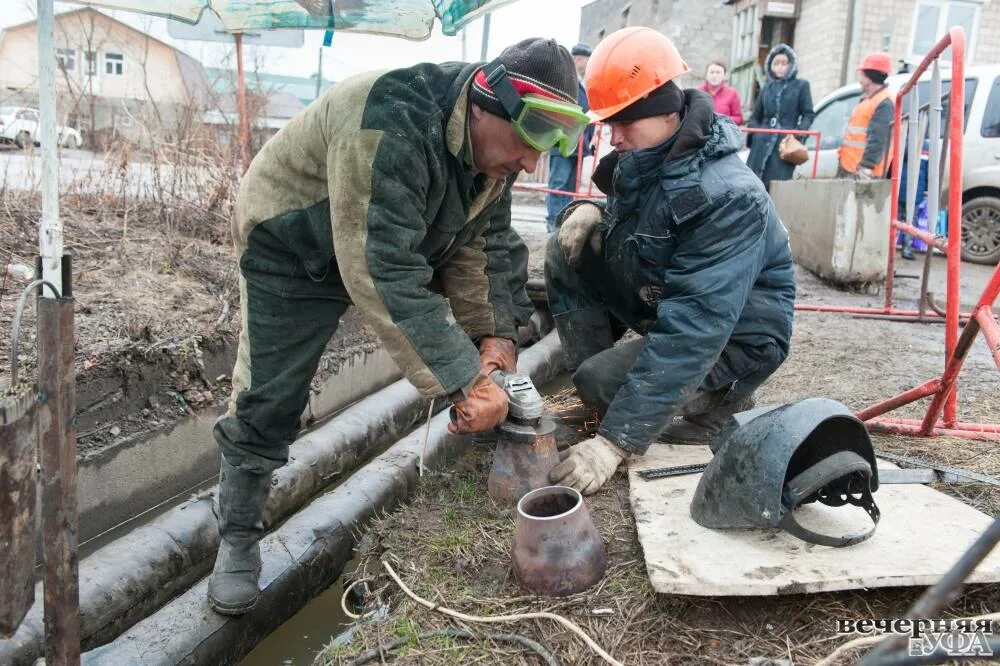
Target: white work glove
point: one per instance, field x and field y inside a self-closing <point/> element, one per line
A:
<point x="579" y="227"/>
<point x="589" y="465"/>
<point x="865" y="175"/>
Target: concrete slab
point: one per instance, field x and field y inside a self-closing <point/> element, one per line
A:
<point x="921" y="535"/>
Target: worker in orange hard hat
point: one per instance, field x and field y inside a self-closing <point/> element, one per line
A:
<point x="865" y="149"/>
<point x="688" y="252"/>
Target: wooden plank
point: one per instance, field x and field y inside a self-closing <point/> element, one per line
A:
<point x="921" y="535"/>
<point x="18" y="442"/>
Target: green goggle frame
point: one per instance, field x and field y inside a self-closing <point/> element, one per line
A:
<point x="540" y="121"/>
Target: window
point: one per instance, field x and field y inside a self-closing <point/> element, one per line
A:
<point x="744" y="25"/>
<point x="90" y="63"/>
<point x="66" y="59"/>
<point x="991" y="117"/>
<point x="114" y="64"/>
<point x="932" y="18"/>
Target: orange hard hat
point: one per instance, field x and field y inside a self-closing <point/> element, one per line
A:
<point x="880" y="61"/>
<point x="626" y="66"/>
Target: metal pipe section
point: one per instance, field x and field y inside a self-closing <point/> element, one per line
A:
<point x="934" y="150"/>
<point x="961" y="425"/>
<point x="922" y="391"/>
<point x="956" y="130"/>
<point x="50" y="232"/>
<point x="912" y="158"/>
<point x="302" y="557"/>
<point x="131" y="577"/>
<point x="892" y="428"/>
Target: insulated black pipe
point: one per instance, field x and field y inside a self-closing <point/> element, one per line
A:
<point x="303" y="557"/>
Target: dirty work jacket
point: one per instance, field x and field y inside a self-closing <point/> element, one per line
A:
<point x="381" y="159"/>
<point x="691" y="234"/>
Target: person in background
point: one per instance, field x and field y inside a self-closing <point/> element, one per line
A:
<point x="562" y="170"/>
<point x="725" y="99"/>
<point x="867" y="140"/>
<point x="785" y="102"/>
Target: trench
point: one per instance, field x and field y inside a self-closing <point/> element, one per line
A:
<point x="302" y="637"/>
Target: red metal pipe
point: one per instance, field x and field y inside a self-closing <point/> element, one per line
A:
<point x="873" y="311"/>
<point x="922" y="234"/>
<point x="905" y="398"/>
<point x="575" y="195"/>
<point x="972" y="427"/>
<point x="900" y="429"/>
<point x="991" y="331"/>
<point x="955" y="131"/>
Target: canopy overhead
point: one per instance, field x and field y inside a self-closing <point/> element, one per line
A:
<point x="411" y="19"/>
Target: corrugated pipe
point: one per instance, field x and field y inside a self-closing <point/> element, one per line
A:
<point x="303" y="557"/>
<point x="131" y="577"/>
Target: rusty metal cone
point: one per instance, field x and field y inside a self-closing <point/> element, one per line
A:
<point x="522" y="461"/>
<point x="557" y="549"/>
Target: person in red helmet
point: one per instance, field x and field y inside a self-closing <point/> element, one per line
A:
<point x="865" y="149"/>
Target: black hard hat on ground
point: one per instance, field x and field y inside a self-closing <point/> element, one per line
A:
<point x="779" y="458"/>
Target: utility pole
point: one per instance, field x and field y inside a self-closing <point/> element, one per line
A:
<point x="486" y="37"/>
<point x="319" y="73"/>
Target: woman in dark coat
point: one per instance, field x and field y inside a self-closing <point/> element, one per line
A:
<point x="784" y="103"/>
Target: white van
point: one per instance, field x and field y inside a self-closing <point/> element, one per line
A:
<point x="981" y="167"/>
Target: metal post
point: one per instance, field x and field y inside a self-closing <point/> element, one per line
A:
<point x="57" y="397"/>
<point x="486" y="37"/>
<point x="50" y="233"/>
<point x="934" y="152"/>
<point x="956" y="129"/>
<point x="319" y="74"/>
<point x="912" y="158"/>
<point x="241" y="103"/>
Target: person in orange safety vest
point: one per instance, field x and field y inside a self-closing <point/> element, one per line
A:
<point x="864" y="152"/>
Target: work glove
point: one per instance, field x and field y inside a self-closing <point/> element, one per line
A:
<point x="864" y="174"/>
<point x="497" y="354"/>
<point x="589" y="465"/>
<point x="484" y="409"/>
<point x="580" y="227"/>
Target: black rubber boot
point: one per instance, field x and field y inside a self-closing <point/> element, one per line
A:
<point x="705" y="418"/>
<point x="232" y="589"/>
<point x="583" y="334"/>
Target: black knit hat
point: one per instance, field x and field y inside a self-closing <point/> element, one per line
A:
<point x="535" y="66"/>
<point x="875" y="75"/>
<point x="668" y="98"/>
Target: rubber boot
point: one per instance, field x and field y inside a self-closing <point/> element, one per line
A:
<point x="583" y="334"/>
<point x="232" y="589"/>
<point x="706" y="417"/>
<point x="907" y="252"/>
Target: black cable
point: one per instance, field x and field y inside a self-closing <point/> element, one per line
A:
<point x="524" y="641"/>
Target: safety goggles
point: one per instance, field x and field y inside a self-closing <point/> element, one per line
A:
<point x="540" y="121"/>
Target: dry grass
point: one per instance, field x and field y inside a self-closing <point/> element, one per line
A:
<point x="451" y="545"/>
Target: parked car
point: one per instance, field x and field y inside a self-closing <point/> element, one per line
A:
<point x="981" y="156"/>
<point x="20" y="125"/>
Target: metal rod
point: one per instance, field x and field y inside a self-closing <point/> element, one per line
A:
<point x="15" y="332"/>
<point x="945" y="590"/>
<point x="934" y="149"/>
<point x="50" y="231"/>
<point x="890" y="265"/>
<point x="956" y="128"/>
<point x="891" y="428"/>
<point x="58" y="459"/>
<point x="241" y="103"/>
<point x="905" y="398"/>
<point x="912" y="156"/>
<point x="961" y="425"/>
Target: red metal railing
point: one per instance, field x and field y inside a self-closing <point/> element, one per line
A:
<point x="941" y="417"/>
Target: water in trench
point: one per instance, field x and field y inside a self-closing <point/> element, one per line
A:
<point x="305" y="634"/>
